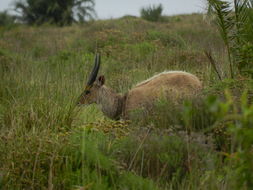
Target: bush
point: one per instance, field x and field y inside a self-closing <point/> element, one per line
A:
<point x="6" y="19"/>
<point x="152" y="13"/>
<point x="57" y="12"/>
<point x="239" y="127"/>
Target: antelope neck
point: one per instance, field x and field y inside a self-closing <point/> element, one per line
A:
<point x="112" y="103"/>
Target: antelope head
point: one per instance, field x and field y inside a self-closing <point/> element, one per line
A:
<point x="91" y="90"/>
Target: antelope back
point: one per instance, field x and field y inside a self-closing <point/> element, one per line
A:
<point x="172" y="85"/>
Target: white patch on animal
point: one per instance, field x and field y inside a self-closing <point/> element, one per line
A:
<point x="162" y="73"/>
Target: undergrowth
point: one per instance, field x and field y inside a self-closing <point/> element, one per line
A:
<point x="46" y="142"/>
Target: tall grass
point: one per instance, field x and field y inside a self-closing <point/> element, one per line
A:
<point x="48" y="143"/>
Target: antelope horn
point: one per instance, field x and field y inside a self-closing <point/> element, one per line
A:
<point x="94" y="73"/>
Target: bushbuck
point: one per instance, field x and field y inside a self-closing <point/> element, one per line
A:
<point x="169" y="84"/>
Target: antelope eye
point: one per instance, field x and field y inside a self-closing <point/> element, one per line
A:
<point x="87" y="92"/>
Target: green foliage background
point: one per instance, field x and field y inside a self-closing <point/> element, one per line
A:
<point x="6" y="19"/>
<point x="234" y="21"/>
<point x="152" y="13"/>
<point x="64" y="12"/>
<point x="48" y="143"/>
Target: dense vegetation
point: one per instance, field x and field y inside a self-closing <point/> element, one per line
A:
<point x="46" y="142"/>
<point x="152" y="13"/>
<point x="6" y="19"/>
<point x="63" y="12"/>
<point x="235" y="24"/>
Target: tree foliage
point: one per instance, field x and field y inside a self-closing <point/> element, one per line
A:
<point x="235" y="23"/>
<point x="152" y="13"/>
<point x="6" y="19"/>
<point x="60" y="12"/>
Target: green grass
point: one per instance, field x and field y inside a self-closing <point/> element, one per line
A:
<point x="48" y="143"/>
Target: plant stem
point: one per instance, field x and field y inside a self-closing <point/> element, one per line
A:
<point x="230" y="62"/>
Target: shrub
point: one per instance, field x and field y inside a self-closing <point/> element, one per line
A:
<point x="6" y="19"/>
<point x="152" y="13"/>
<point x="239" y="127"/>
<point x="57" y="12"/>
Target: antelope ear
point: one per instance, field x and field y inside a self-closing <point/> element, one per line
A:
<point x="101" y="80"/>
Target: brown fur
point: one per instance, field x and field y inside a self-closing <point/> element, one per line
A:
<point x="172" y="85"/>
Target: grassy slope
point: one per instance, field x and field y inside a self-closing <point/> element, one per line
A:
<point x="45" y="142"/>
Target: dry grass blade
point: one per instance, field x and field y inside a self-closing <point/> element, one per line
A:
<point x="213" y="63"/>
<point x="138" y="149"/>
